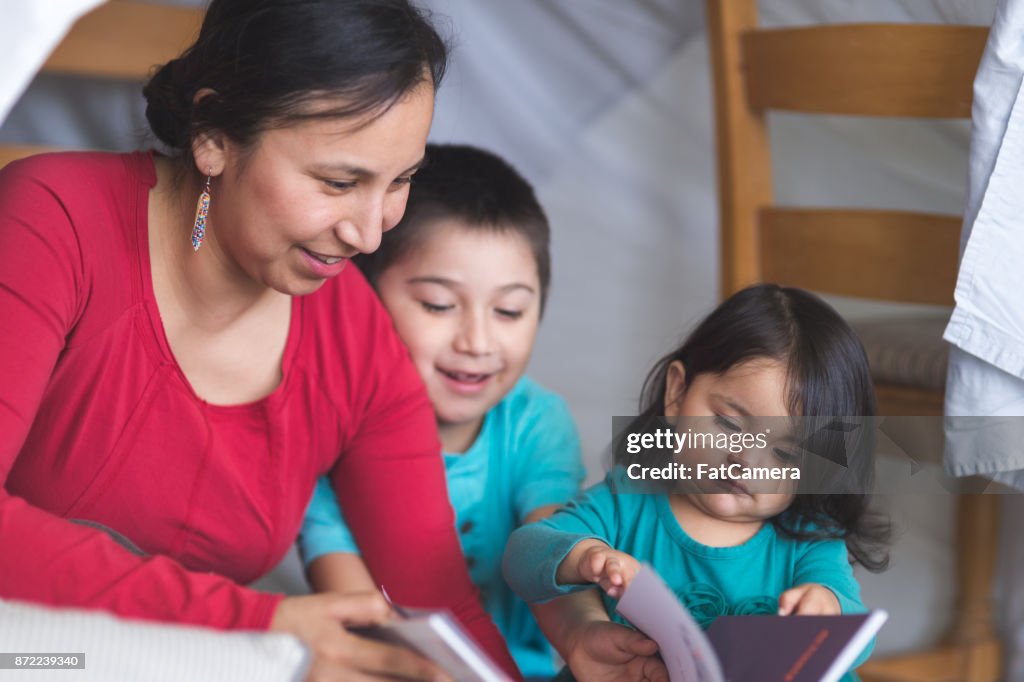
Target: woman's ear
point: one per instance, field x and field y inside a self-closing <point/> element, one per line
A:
<point x="208" y="149"/>
<point x="675" y="388"/>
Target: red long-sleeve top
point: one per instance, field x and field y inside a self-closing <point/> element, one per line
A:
<point x="98" y="422"/>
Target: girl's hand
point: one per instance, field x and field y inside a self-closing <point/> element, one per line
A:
<point x="809" y="599"/>
<point x="603" y="651"/>
<point x="319" y="620"/>
<point x="611" y="569"/>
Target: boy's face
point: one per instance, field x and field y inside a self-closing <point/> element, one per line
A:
<point x="466" y="302"/>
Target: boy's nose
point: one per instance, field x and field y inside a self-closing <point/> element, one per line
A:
<point x="475" y="338"/>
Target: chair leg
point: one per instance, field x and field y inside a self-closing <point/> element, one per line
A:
<point x="971" y="652"/>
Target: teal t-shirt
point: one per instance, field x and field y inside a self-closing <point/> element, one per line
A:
<point x="710" y="581"/>
<point x="526" y="456"/>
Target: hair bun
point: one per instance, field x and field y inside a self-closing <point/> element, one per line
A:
<point x="168" y="106"/>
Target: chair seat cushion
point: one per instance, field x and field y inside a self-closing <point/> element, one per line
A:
<point x="908" y="351"/>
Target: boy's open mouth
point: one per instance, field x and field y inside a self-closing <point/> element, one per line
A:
<point x="465" y="377"/>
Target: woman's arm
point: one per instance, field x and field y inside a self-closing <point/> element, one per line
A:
<point x="328" y="549"/>
<point x="390" y="481"/>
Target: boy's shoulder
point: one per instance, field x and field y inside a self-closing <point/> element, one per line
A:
<point x="529" y="399"/>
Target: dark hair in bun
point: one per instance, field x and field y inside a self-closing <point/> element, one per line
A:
<point x="265" y="60"/>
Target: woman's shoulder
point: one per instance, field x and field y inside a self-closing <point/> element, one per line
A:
<point x="73" y="169"/>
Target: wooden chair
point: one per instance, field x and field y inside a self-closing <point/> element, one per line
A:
<point x="893" y="70"/>
<point x="120" y="39"/>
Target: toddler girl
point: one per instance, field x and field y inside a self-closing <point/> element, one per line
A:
<point x="725" y="546"/>
<point x="464" y="276"/>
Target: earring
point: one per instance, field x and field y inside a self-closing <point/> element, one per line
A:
<point x="202" y="210"/>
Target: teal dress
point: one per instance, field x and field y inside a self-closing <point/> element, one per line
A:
<point x="710" y="581"/>
<point x="526" y="456"/>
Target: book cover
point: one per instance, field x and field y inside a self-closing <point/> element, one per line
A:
<point x="745" y="648"/>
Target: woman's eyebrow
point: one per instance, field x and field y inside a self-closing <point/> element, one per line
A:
<point x="359" y="172"/>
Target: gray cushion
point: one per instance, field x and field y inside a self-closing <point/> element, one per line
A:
<point x="908" y="351"/>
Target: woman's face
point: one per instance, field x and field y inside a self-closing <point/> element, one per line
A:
<point x="289" y="211"/>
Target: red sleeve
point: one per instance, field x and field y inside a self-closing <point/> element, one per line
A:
<point x="45" y="558"/>
<point x="391" y="485"/>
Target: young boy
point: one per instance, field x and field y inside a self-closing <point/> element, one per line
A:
<point x="465" y="276"/>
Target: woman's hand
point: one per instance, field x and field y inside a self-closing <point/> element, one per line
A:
<point x="592" y="561"/>
<point x="603" y="651"/>
<point x="809" y="599"/>
<point x="320" y="621"/>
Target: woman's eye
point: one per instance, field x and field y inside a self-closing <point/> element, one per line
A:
<point x="726" y="424"/>
<point x="433" y="308"/>
<point x="509" y="314"/>
<point x="339" y="184"/>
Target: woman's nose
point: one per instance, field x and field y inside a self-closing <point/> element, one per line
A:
<point x="363" y="226"/>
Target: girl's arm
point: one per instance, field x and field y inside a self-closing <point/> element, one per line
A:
<point x="827" y="563"/>
<point x="593" y="647"/>
<point x="823" y="572"/>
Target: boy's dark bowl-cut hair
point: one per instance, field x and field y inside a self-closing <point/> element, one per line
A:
<point x="477" y="188"/>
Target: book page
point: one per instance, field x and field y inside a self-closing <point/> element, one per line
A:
<point x="655" y="610"/>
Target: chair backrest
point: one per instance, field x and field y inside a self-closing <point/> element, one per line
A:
<point x="120" y="39"/>
<point x="893" y="70"/>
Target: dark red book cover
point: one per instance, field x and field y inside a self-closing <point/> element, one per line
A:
<point x="789" y="648"/>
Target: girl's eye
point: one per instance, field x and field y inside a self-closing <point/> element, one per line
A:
<point x="784" y="456"/>
<point x="509" y="314"/>
<point x="339" y="184"/>
<point x="726" y="424"/>
<point x="433" y="308"/>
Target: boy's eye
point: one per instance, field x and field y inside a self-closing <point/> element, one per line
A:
<point x="726" y="424"/>
<point x="339" y="184"/>
<point x="404" y="180"/>
<point x="509" y="314"/>
<point x="434" y="308"/>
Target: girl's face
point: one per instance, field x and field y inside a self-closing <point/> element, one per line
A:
<point x="290" y="210"/>
<point x="467" y="304"/>
<point x="732" y="403"/>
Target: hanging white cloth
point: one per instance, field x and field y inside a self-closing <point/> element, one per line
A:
<point x="986" y="373"/>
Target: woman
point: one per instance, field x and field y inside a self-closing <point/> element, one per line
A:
<point x="180" y="371"/>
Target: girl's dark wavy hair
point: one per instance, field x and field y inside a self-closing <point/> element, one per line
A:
<point x="266" y="61"/>
<point x="827" y="380"/>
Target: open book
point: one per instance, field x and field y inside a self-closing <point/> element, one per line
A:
<point x="745" y="648"/>
<point x="438" y="636"/>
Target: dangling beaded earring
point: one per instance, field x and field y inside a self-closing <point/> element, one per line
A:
<point x="202" y="210"/>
